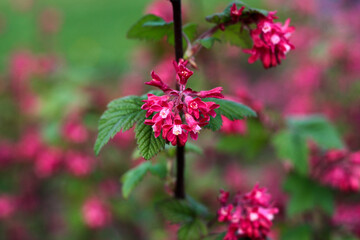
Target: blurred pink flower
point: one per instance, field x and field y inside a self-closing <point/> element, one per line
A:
<point x="48" y="162"/>
<point x="7" y="206"/>
<point x="50" y="20"/>
<point x="347" y="216"/>
<point x="95" y="213"/>
<point x="74" y="131"/>
<point x="161" y="8"/>
<point x="30" y="145"/>
<point x="79" y="164"/>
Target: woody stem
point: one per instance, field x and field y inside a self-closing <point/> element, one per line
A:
<point x="179" y="191"/>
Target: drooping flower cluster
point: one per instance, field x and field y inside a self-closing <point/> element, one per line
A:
<point x="337" y="168"/>
<point x="249" y="215"/>
<point x="181" y="112"/>
<point x="271" y="41"/>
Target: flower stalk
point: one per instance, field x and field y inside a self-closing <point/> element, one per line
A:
<point x="179" y="191"/>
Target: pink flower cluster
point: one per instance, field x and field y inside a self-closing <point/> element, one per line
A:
<point x="337" y="168"/>
<point x="249" y="215"/>
<point x="271" y="41"/>
<point x="169" y="108"/>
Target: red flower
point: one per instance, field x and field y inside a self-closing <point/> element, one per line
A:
<point x="271" y="41"/>
<point x="166" y="110"/>
<point x="249" y="216"/>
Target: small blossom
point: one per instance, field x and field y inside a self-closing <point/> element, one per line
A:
<point x="236" y="13"/>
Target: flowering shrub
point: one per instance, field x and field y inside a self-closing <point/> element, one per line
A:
<point x="292" y="129"/>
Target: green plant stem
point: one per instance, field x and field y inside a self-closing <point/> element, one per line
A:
<point x="179" y="191"/>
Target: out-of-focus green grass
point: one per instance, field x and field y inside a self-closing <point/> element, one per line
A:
<point x="93" y="33"/>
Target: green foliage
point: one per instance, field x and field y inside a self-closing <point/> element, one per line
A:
<point x="208" y="42"/>
<point x="151" y="28"/>
<point x="188" y="213"/>
<point x="232" y="110"/>
<point x="134" y="176"/>
<point x="248" y="145"/>
<point x="292" y="146"/>
<point x="177" y="211"/>
<point x="215" y="123"/>
<point x="189" y="30"/>
<point x="148" y="145"/>
<point x="306" y="195"/>
<point x="317" y="128"/>
<point x="121" y="114"/>
<point x="301" y="232"/>
<point x="235" y="35"/>
<point x="192" y="230"/>
<point x="225" y="16"/>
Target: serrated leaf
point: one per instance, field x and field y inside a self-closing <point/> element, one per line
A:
<point x="235" y="35"/>
<point x="148" y="145"/>
<point x="225" y="16"/>
<point x="150" y="27"/>
<point x="208" y="42"/>
<point x="317" y="128"/>
<point x="177" y="211"/>
<point x="193" y="230"/>
<point x="292" y="146"/>
<point x="215" y="124"/>
<point x="232" y="110"/>
<point x="307" y="195"/>
<point x="133" y="177"/>
<point x="121" y="114"/>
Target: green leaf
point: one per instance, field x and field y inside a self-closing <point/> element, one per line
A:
<point x="317" y="128"/>
<point x="159" y="169"/>
<point x="235" y="35"/>
<point x="133" y="177"/>
<point x="215" y="123"/>
<point x="199" y="208"/>
<point x="225" y="16"/>
<point x="193" y="230"/>
<point x="177" y="211"/>
<point x="249" y="145"/>
<point x="189" y="30"/>
<point x="232" y="110"/>
<point x="121" y="114"/>
<point x="190" y="147"/>
<point x="148" y="145"/>
<point x="208" y="42"/>
<point x="292" y="146"/>
<point x="150" y="27"/>
<point x="307" y="195"/>
<point x="301" y="232"/>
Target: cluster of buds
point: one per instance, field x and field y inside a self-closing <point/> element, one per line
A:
<point x="337" y="168"/>
<point x="271" y="40"/>
<point x="179" y="113"/>
<point x="249" y="215"/>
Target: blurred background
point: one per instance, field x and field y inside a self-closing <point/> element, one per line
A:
<point x="61" y="62"/>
